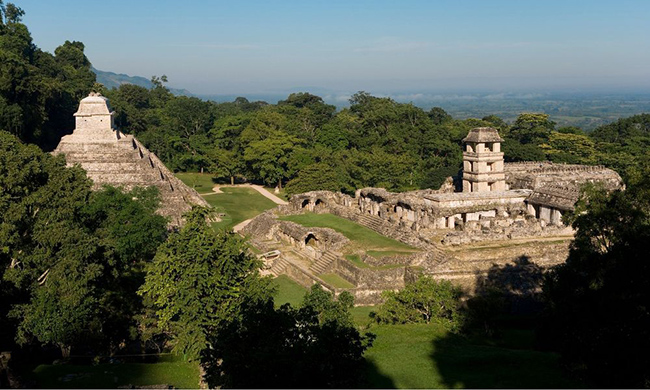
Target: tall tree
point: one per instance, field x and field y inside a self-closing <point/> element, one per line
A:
<point x="598" y="300"/>
<point x="315" y="345"/>
<point x="198" y="279"/>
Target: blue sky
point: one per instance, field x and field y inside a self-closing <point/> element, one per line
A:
<point x="237" y="47"/>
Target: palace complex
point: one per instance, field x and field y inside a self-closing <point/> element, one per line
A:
<point x="506" y="212"/>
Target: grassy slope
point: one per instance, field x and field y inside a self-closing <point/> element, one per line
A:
<point x="427" y="356"/>
<point x="181" y="375"/>
<point x="239" y="204"/>
<point x="336" y="280"/>
<point x="365" y="237"/>
<point x="288" y="291"/>
<point x="201" y="182"/>
<point x="291" y="292"/>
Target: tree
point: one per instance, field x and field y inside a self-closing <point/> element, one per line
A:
<point x="315" y="345"/>
<point x="226" y="163"/>
<point x="39" y="92"/>
<point x="439" y="116"/>
<point x="598" y="300"/>
<point x="46" y="251"/>
<point x="531" y="128"/>
<point x="318" y="176"/>
<point x="198" y="279"/>
<point x="129" y="232"/>
<point x="269" y="157"/>
<point x="425" y="300"/>
<point x="70" y="256"/>
<point x="570" y="148"/>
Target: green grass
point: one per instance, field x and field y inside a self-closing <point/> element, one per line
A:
<point x="182" y="375"/>
<point x="291" y="292"/>
<point x="356" y="260"/>
<point x="282" y="194"/>
<point x="239" y="204"/>
<point x="336" y="281"/>
<point x="427" y="356"/>
<point x="366" y="238"/>
<point x="201" y="182"/>
<point x="360" y="315"/>
<point x="288" y="291"/>
<point x="380" y="254"/>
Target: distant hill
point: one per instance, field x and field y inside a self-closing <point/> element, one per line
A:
<point x="113" y="80"/>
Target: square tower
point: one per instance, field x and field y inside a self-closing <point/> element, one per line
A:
<point x="483" y="161"/>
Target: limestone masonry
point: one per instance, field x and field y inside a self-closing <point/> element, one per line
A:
<point x="110" y="157"/>
<point x="506" y="213"/>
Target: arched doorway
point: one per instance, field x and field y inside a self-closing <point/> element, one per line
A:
<point x="311" y="240"/>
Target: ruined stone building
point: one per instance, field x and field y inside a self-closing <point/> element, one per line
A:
<point x="112" y="158"/>
<point x="505" y="212"/>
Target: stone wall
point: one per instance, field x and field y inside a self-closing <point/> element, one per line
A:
<point x="471" y="261"/>
<point x="373" y="278"/>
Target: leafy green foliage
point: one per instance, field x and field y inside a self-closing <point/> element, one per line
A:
<point x="425" y="300"/>
<point x="69" y="257"/>
<point x="198" y="279"/>
<point x="316" y="177"/>
<point x="598" y="300"/>
<point x="315" y="345"/>
<point x="39" y="91"/>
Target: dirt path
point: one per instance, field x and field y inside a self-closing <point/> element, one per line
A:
<point x="237" y="228"/>
<point x="263" y="191"/>
<point x="258" y="188"/>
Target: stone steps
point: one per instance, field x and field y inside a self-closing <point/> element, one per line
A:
<point x="279" y="266"/>
<point x="371" y="222"/>
<point x="322" y="264"/>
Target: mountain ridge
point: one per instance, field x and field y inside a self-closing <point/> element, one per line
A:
<point x="113" y="80"/>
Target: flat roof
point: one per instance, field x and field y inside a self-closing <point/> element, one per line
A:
<point x="478" y="195"/>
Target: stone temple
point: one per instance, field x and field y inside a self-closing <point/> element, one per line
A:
<point x="507" y="213"/>
<point x="112" y="158"/>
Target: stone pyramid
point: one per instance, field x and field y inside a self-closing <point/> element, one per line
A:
<point x="110" y="157"/>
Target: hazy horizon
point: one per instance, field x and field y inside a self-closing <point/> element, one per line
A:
<point x="256" y="47"/>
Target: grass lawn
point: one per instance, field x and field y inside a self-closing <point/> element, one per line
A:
<point x="181" y="375"/>
<point x="427" y="356"/>
<point x="336" y="281"/>
<point x="356" y="260"/>
<point x="360" y="315"/>
<point x="201" y="182"/>
<point x="288" y="291"/>
<point x="380" y="254"/>
<point x="291" y="292"/>
<point x="282" y="194"/>
<point x="364" y="237"/>
<point x="239" y="204"/>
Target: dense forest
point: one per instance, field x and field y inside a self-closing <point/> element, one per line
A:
<point x="305" y="144"/>
<point x="99" y="274"/>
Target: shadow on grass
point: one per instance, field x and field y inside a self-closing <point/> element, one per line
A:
<point x="498" y="349"/>
<point x="374" y="379"/>
<point x="176" y="373"/>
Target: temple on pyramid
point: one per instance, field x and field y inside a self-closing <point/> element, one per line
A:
<point x="112" y="158"/>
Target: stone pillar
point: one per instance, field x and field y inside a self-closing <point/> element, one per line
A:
<point x="545" y="214"/>
<point x="441" y="223"/>
<point x="530" y="209"/>
<point x="556" y="217"/>
<point x="451" y="222"/>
